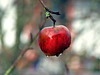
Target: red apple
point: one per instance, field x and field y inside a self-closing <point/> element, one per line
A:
<point x="54" y="40"/>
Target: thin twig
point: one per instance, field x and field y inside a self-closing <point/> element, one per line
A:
<point x="22" y="53"/>
<point x="41" y="25"/>
<point x="53" y="12"/>
<point x="48" y="13"/>
<point x="42" y="3"/>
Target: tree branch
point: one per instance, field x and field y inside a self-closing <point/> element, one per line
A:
<point x="23" y="52"/>
<point x="48" y="11"/>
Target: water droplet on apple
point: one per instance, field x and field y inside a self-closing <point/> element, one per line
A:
<point x="60" y="54"/>
<point x="47" y="56"/>
<point x="57" y="55"/>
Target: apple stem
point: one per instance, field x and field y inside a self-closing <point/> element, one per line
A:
<point x="54" y="21"/>
<point x="53" y="24"/>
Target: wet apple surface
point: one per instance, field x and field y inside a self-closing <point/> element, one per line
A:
<point x="54" y="40"/>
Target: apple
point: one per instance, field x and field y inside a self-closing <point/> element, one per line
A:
<point x="54" y="40"/>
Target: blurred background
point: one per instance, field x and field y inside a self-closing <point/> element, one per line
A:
<point x="19" y="18"/>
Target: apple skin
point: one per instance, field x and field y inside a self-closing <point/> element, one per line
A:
<point x="54" y="40"/>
